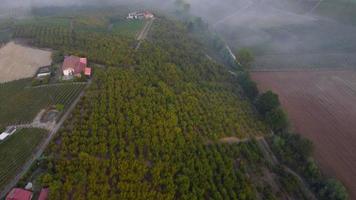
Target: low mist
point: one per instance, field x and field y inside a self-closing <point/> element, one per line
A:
<point x="281" y="33"/>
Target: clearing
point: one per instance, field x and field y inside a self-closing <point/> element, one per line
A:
<point x="18" y="61"/>
<point x="321" y="106"/>
<point x="127" y="28"/>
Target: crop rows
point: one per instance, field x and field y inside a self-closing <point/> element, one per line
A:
<point x="21" y="104"/>
<point x="16" y="150"/>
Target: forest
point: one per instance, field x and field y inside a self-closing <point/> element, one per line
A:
<point x="148" y="125"/>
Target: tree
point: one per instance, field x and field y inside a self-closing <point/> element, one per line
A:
<point x="245" y="57"/>
<point x="267" y="102"/>
<point x="333" y="189"/>
<point x="57" y="57"/>
<point x="277" y="119"/>
<point x="249" y="86"/>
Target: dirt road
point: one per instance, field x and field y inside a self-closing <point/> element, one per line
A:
<point x="144" y="32"/>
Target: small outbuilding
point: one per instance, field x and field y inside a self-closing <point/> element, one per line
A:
<point x="29" y="186"/>
<point x="19" y="194"/>
<point x="9" y="131"/>
<point x="43" y="72"/>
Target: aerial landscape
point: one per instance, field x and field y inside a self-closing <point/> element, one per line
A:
<point x="178" y="99"/>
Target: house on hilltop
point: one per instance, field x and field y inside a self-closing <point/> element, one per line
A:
<point x="140" y="15"/>
<point x="75" y="66"/>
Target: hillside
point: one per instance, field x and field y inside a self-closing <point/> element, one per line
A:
<point x="153" y="122"/>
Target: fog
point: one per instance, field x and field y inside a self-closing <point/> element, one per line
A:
<point x="282" y="33"/>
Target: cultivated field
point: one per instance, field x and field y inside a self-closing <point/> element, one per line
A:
<point x="20" y="104"/>
<point x="17" y="61"/>
<point x="16" y="150"/>
<point x="322" y="107"/>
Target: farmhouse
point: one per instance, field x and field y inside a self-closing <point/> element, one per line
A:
<point x="140" y="15"/>
<point x="9" y="131"/>
<point x="19" y="194"/>
<point x="75" y="66"/>
<point x="43" y="72"/>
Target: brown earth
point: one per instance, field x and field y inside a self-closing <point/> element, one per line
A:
<point x="322" y="107"/>
<point x="18" y="61"/>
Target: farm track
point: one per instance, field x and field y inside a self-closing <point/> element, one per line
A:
<point x="53" y="130"/>
<point x="144" y="32"/>
<point x="321" y="105"/>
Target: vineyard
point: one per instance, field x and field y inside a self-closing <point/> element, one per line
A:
<point x="16" y="150"/>
<point x="20" y="103"/>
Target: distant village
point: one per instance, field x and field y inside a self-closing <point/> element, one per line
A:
<point x="140" y="15"/>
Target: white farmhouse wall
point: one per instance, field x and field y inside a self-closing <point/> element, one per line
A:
<point x="68" y="72"/>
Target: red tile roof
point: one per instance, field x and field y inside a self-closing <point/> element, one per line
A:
<point x="19" y="194"/>
<point x="43" y="194"/>
<point x="75" y="63"/>
<point x="87" y="71"/>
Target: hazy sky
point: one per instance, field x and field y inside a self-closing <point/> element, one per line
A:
<point x="269" y="26"/>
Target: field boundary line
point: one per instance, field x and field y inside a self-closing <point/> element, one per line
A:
<point x="56" y="84"/>
<point x="303" y="69"/>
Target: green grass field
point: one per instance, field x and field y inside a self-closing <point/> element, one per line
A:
<point x="19" y="104"/>
<point x="128" y="28"/>
<point x="49" y="21"/>
<point x="16" y="150"/>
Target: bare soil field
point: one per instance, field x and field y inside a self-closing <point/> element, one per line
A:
<point x="322" y="107"/>
<point x="18" y="61"/>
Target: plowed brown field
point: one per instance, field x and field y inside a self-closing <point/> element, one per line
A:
<point x="322" y="107"/>
<point x="18" y="61"/>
